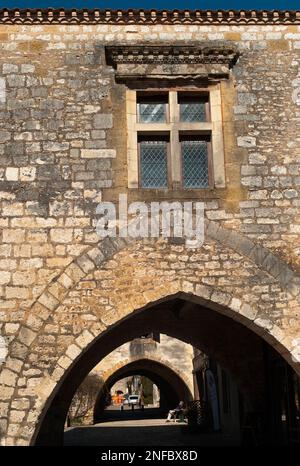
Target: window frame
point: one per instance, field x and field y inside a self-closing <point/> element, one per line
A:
<point x="174" y="128"/>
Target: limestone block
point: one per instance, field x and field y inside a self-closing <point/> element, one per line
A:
<point x="98" y="153"/>
<point x="61" y="235"/>
<point x="4" y="277"/>
<point x="12" y="174"/>
<point x="13" y="236"/>
<point x="26" y="336"/>
<point x="84" y="339"/>
<point x="103" y="121"/>
<point x="73" y="351"/>
<point x="7" y="377"/>
<point x="16" y="416"/>
<point x="27" y="173"/>
<point x="246" y="141"/>
<point x="17" y="292"/>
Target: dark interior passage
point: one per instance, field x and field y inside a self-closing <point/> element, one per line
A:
<point x="232" y="344"/>
<point x="172" y="387"/>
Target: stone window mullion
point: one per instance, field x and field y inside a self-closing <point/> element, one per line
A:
<point x="132" y="146"/>
<point x="174" y="141"/>
<point x="217" y="136"/>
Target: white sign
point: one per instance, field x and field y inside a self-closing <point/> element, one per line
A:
<point x="212" y="396"/>
<point x="3" y="349"/>
<point x="2" y="91"/>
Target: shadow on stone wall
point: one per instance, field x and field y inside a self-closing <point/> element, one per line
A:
<point x="82" y="405"/>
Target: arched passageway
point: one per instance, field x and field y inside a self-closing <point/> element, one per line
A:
<point x="172" y="387"/>
<point x="237" y="347"/>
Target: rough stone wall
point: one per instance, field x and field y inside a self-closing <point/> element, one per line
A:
<point x="63" y="143"/>
<point x="62" y="150"/>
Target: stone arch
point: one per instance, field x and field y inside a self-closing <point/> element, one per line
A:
<point x="60" y="377"/>
<point x="153" y="368"/>
<point x="153" y="359"/>
<point x="51" y="385"/>
<point x="221" y="301"/>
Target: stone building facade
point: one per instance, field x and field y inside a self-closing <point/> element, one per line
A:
<point x="68" y="297"/>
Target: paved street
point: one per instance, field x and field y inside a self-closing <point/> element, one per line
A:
<point x="140" y="432"/>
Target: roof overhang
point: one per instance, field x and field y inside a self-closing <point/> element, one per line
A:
<point x="132" y="16"/>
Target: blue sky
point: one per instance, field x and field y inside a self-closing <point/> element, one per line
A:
<point x="174" y="4"/>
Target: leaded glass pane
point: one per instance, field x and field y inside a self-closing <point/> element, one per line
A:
<point x="152" y="112"/>
<point x="195" y="164"/>
<point x="191" y="112"/>
<point x="153" y="161"/>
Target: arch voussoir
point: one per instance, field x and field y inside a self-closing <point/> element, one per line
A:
<point x="264" y="258"/>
